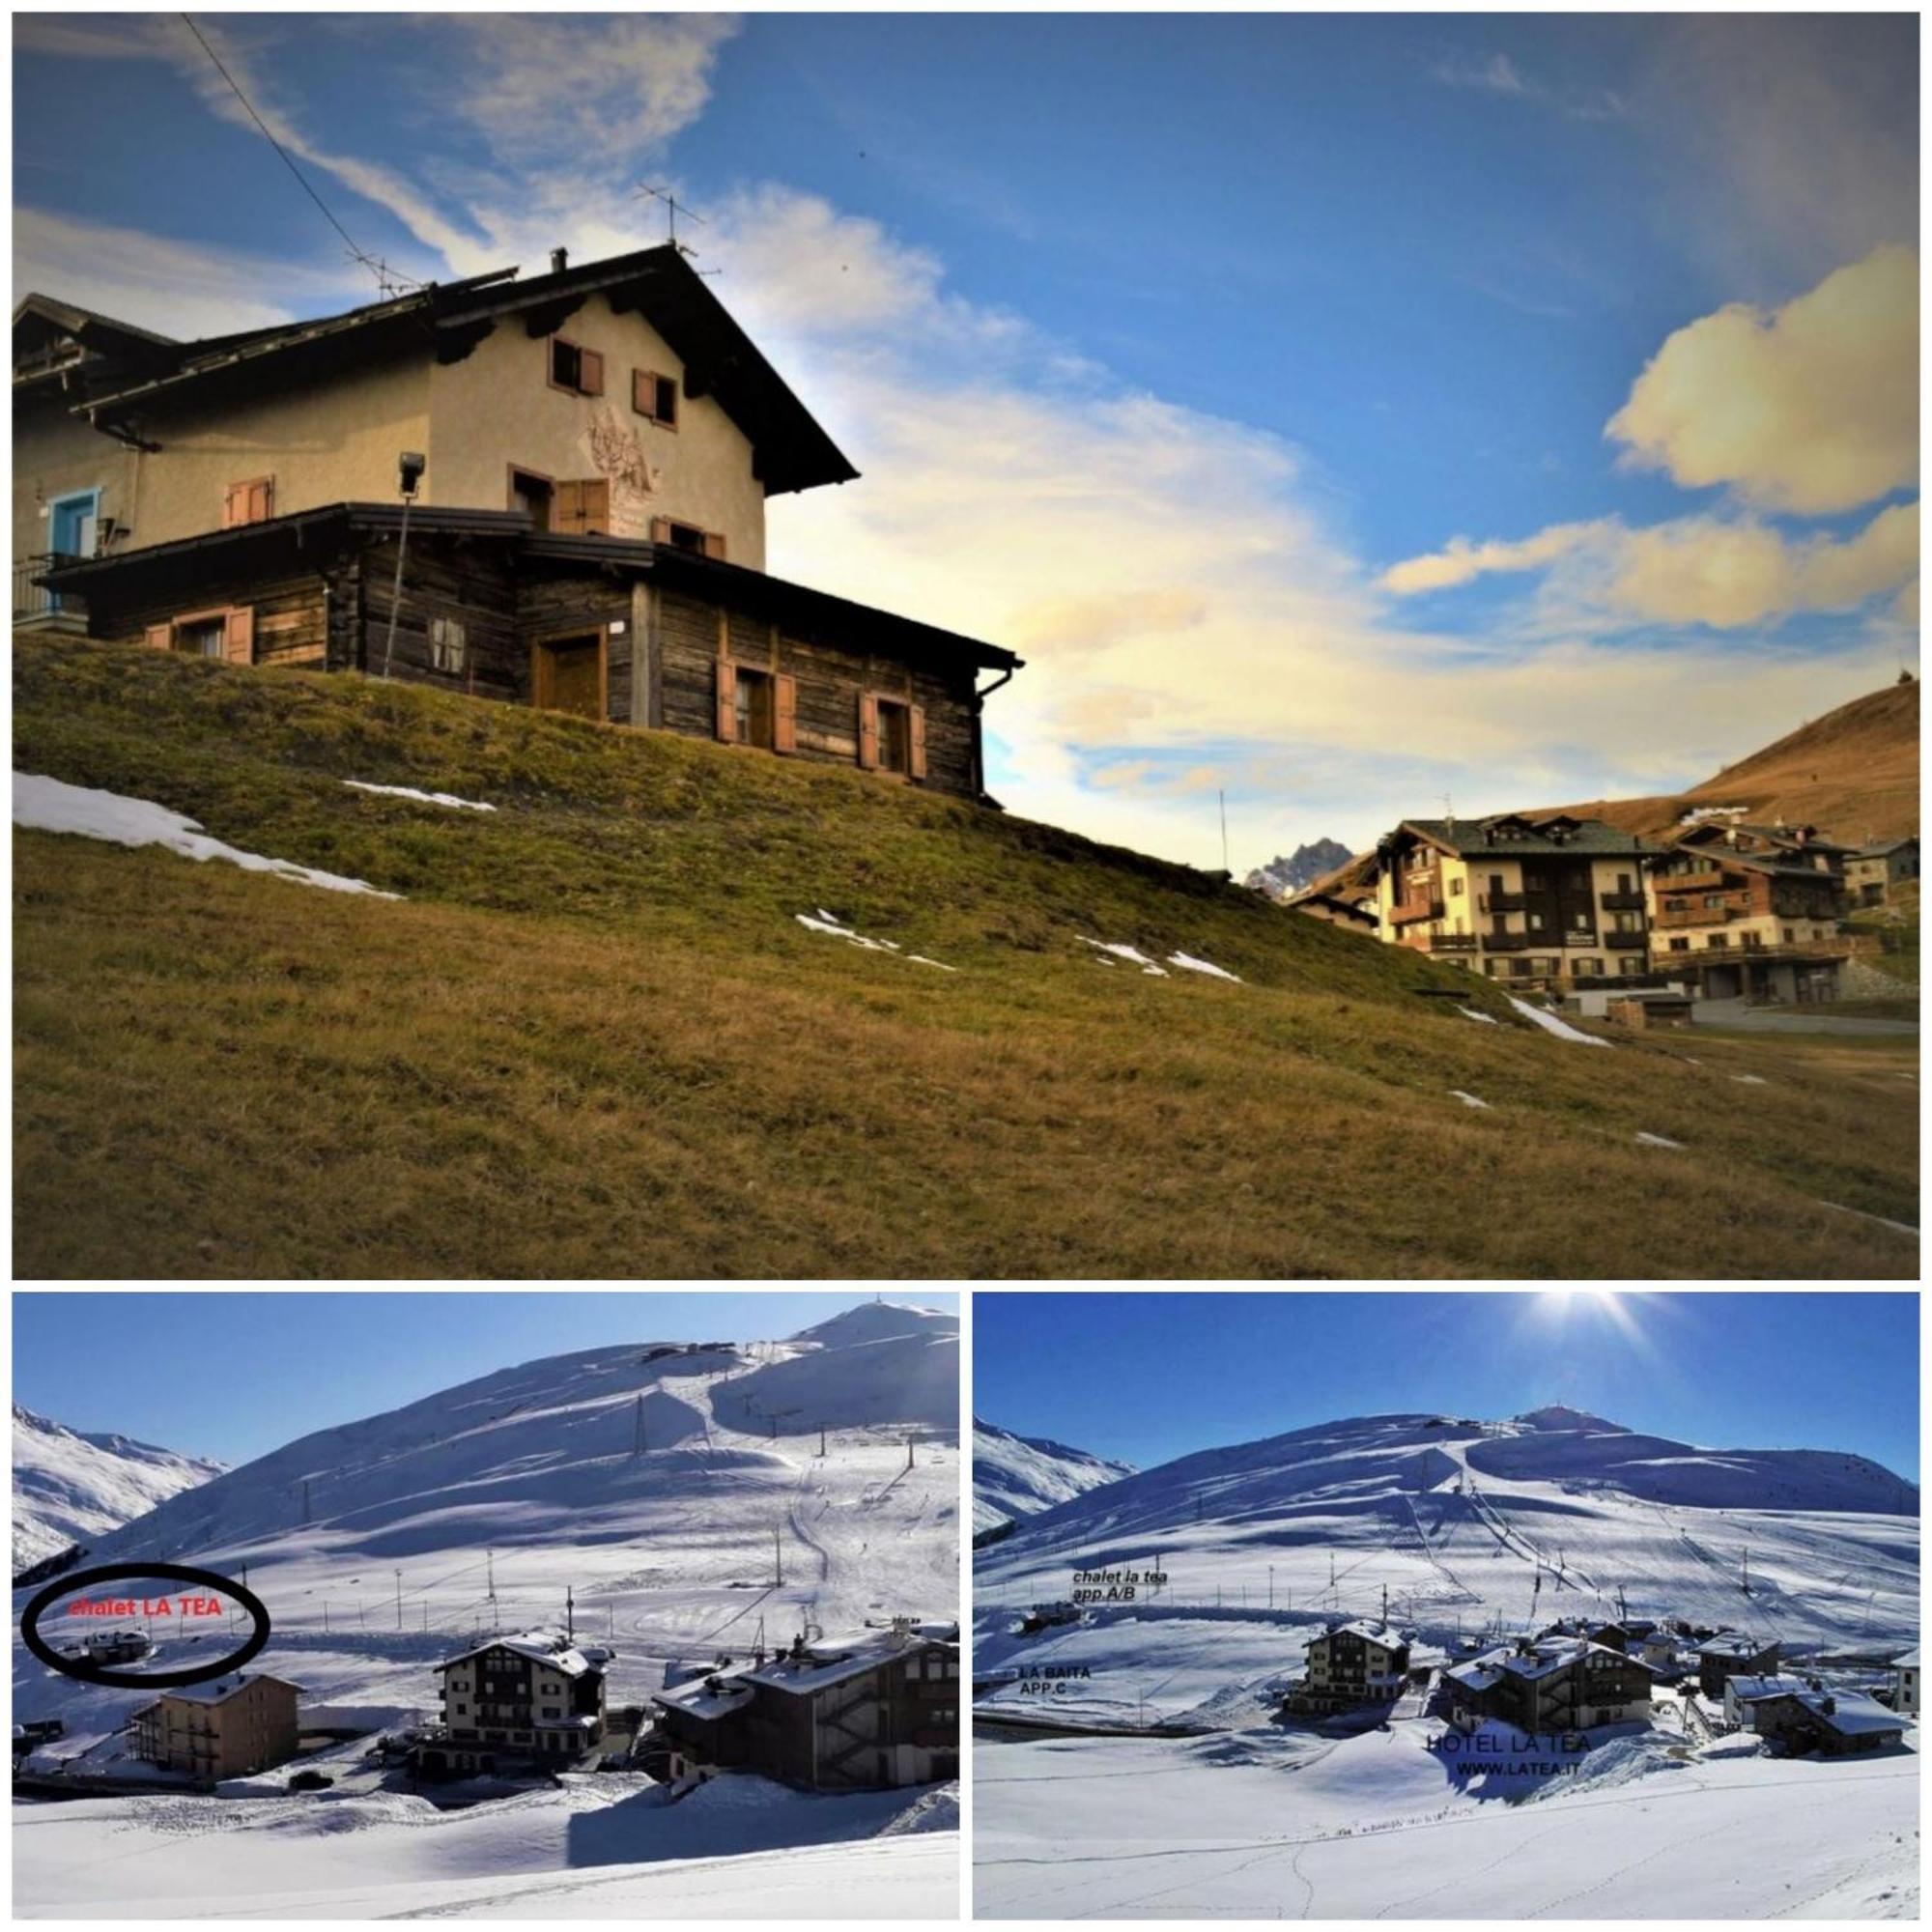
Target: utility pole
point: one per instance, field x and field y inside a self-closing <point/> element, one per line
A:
<point x="1270" y="1586"/>
<point x="777" y="1553"/>
<point x="569" y="1612"/>
<point x="821" y="1439"/>
<point x="305" y="1510"/>
<point x="638" y="1441"/>
<point x="1385" y="1602"/>
<point x="908" y="1452"/>
<point x="399" y="1600"/>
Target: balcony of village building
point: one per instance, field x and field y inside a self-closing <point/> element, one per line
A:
<point x="1676" y="916"/>
<point x="35" y="608"/>
<point x="1627" y="942"/>
<point x="1406" y="911"/>
<point x="1501" y="902"/>
<point x="1690" y="882"/>
<point x="1622" y="901"/>
<point x="1451" y="942"/>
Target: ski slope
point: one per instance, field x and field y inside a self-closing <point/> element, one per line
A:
<point x="685" y="1511"/>
<point x="1019" y="1475"/>
<point x="1458" y="1524"/>
<point x="73" y="1487"/>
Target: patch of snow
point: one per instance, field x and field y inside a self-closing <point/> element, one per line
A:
<point x="1658" y="1140"/>
<point x="1131" y="954"/>
<point x="1550" y="1023"/>
<point x="1188" y="962"/>
<point x="1897" y="1226"/>
<point x="1468" y="1099"/>
<point x="422" y="797"/>
<point x="1751" y="1079"/>
<point x="50" y="804"/>
<point x="829" y="922"/>
<point x="1470" y="1013"/>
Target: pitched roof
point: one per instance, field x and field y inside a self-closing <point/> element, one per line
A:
<point x="218" y="1690"/>
<point x="1511" y="835"/>
<point x="1370" y="1632"/>
<point x="545" y="1647"/>
<point x="301" y="542"/>
<point x="1735" y="1643"/>
<point x="1851" y="1712"/>
<point x="792" y="451"/>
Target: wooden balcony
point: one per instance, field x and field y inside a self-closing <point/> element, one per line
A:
<point x="1689" y="882"/>
<point x="1499" y="901"/>
<point x="1680" y="915"/>
<point x="1405" y="912"/>
<point x="1451" y="942"/>
<point x="1505" y="942"/>
<point x="1622" y="901"/>
<point x="1627" y="942"/>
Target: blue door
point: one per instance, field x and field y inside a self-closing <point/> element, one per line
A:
<point x="71" y="525"/>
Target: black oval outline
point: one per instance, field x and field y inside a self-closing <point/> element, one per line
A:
<point x="153" y="1680"/>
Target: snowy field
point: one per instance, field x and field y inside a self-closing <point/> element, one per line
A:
<point x="1374" y="1826"/>
<point x="1451" y="1527"/>
<point x="684" y="1501"/>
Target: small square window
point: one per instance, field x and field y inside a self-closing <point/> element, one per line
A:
<point x="204" y="637"/>
<point x="448" y="645"/>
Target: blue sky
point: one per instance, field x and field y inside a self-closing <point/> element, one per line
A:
<point x="1253" y="376"/>
<point x="1149" y="1376"/>
<point x="288" y="1361"/>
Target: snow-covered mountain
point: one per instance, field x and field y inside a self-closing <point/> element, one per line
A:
<point x="678" y="1490"/>
<point x="1282" y="877"/>
<point x="1021" y="1475"/>
<point x="71" y="1485"/>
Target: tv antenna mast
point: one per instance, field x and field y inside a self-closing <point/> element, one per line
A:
<point x="673" y="207"/>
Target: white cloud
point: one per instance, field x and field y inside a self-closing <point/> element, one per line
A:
<point x="1461" y="561"/>
<point x="1498" y="73"/>
<point x="1810" y="407"/>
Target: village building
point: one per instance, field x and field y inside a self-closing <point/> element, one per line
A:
<point x="1827" y="1723"/>
<point x="1352" y="1664"/>
<point x="1741" y="1692"/>
<point x="1905" y="1684"/>
<point x="1733" y="1654"/>
<point x="873" y="1711"/>
<point x="1550" y="1684"/>
<point x="1659" y="1649"/>
<point x="589" y="452"/>
<point x="532" y="1698"/>
<point x="1741" y="912"/>
<point x="1875" y="871"/>
<point x="229" y="1727"/>
<point x="1553" y="904"/>
<point x="1350" y="907"/>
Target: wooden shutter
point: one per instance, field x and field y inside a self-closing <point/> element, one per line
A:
<point x="714" y="545"/>
<point x="567" y="509"/>
<point x="594" y="497"/>
<point x="869" y="732"/>
<point x="262" y="500"/>
<point x="590" y="372"/>
<point x="660" y="529"/>
<point x="784" y="712"/>
<point x="916" y="741"/>
<point x="158" y="637"/>
<point x="235" y="505"/>
<point x="641" y="391"/>
<point x="241" y="636"/>
<point x="727" y="700"/>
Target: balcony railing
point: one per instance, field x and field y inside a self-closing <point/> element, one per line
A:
<point x="1499" y="901"/>
<point x="32" y="600"/>
<point x="1689" y="882"/>
<point x="1405" y="911"/>
<point x="1451" y="942"/>
<point x="1696" y="915"/>
<point x="1627" y="942"/>
<point x="1623" y="901"/>
<point x="1505" y="942"/>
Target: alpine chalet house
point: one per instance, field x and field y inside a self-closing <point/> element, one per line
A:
<point x="229" y="1727"/>
<point x="1733" y="1654"/>
<point x="586" y="456"/>
<point x="1875" y="871"/>
<point x="873" y="1711"/>
<point x="1352" y="1664"/>
<point x="1749" y="912"/>
<point x="1828" y="1724"/>
<point x="1550" y="1684"/>
<point x="1905" y="1683"/>
<point x="531" y="1699"/>
<point x="1552" y="903"/>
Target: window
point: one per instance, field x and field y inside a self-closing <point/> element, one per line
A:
<point x="752" y="713"/>
<point x="1591" y="969"/>
<point x="1714" y="901"/>
<point x="895" y="736"/>
<point x="655" y="396"/>
<point x="250" y="503"/>
<point x="463" y="1710"/>
<point x="1455" y="889"/>
<point x="1680" y="945"/>
<point x="1789" y="935"/>
<point x="201" y="638"/>
<point x="578" y="370"/>
<point x="687" y="536"/>
<point x="552" y="1711"/>
<point x="533" y="494"/>
<point x="757" y="707"/>
<point x="582" y="509"/>
<point x="1717" y="942"/>
<point x="448" y="645"/>
<point x="228" y="633"/>
<point x="1534" y="921"/>
<point x="1627" y="965"/>
<point x="1624" y="922"/>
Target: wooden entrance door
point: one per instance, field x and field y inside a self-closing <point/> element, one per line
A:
<point x="567" y="675"/>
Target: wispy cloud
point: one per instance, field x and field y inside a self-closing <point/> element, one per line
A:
<point x="1498" y="73"/>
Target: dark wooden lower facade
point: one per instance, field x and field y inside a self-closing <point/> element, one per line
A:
<point x="621" y="632"/>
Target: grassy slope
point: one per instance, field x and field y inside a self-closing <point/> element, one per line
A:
<point x="1852" y="772"/>
<point x="593" y="1040"/>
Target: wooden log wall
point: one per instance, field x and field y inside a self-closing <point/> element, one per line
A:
<point x="470" y="584"/>
<point x="291" y="616"/>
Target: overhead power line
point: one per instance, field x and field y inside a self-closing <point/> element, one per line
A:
<point x="387" y="277"/>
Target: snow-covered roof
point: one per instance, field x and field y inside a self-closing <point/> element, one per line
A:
<point x="1745" y="1689"/>
<point x="829" y="1662"/>
<point x="1735" y="1643"/>
<point x="545" y="1647"/>
<point x="1851" y="1714"/>
<point x="1477" y="1674"/>
<point x="1370" y="1632"/>
<point x="221" y="1689"/>
<point x="1909" y="1661"/>
<point x="709" y="1696"/>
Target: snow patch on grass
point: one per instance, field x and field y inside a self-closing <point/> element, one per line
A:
<point x="1468" y="1099"/>
<point x="1483" y="1019"/>
<point x="1897" y="1226"/>
<point x="1550" y="1023"/>
<point x="422" y="797"/>
<point x="829" y="922"/>
<point x="1131" y="954"/>
<point x="1188" y="963"/>
<point x="1658" y="1140"/>
<point x="1751" y="1079"/>
<point x="50" y="804"/>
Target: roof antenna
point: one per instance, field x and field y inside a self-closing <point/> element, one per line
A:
<point x="673" y="207"/>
